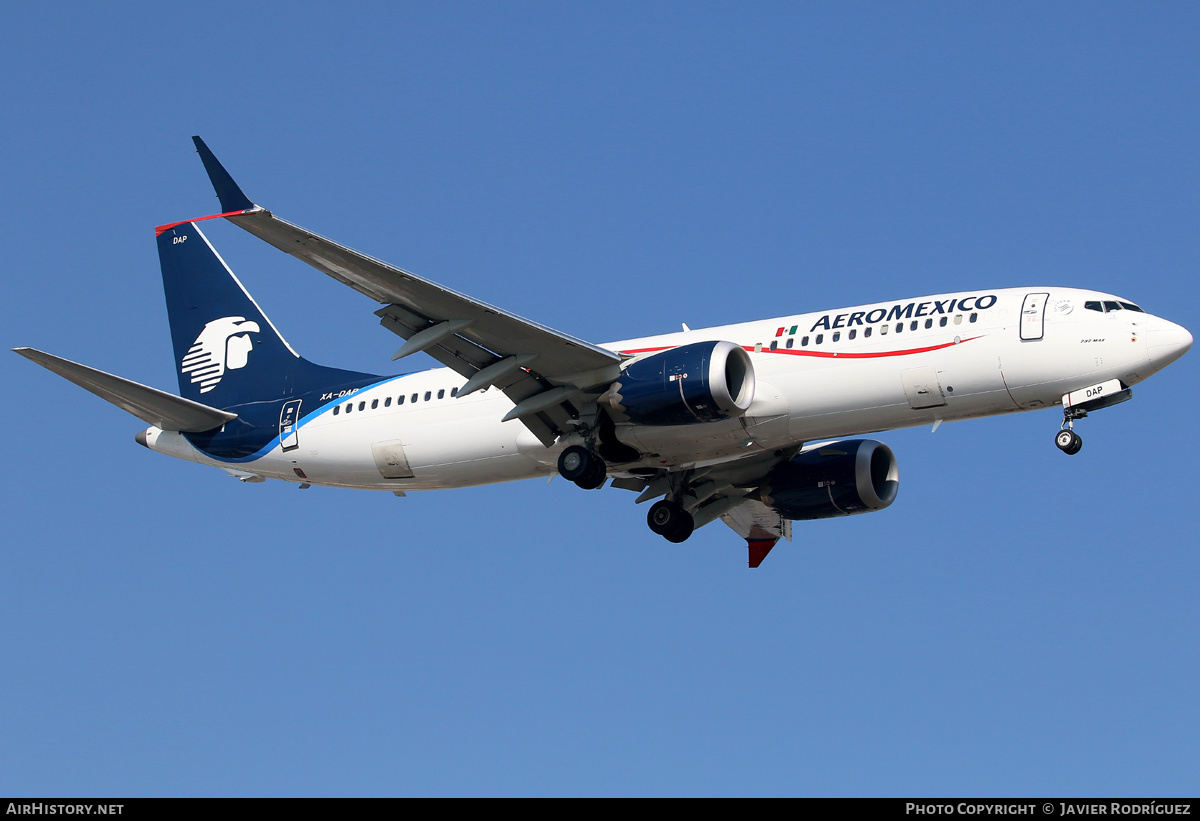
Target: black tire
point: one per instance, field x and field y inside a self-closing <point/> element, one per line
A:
<point x="684" y="529"/>
<point x="1068" y="442"/>
<point x="595" y="476"/>
<point x="670" y="521"/>
<point x="575" y="462"/>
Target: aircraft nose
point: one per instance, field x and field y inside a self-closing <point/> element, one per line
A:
<point x="1166" y="342"/>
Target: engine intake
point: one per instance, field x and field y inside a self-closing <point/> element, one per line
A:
<point x="701" y="382"/>
<point x="834" y="479"/>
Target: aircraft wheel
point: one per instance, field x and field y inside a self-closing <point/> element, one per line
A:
<point x="670" y="521"/>
<point x="684" y="531"/>
<point x="1068" y="441"/>
<point x="575" y="462"/>
<point x="595" y="476"/>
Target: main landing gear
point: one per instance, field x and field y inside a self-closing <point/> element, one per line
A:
<point x="583" y="467"/>
<point x="588" y="470"/>
<point x="669" y="520"/>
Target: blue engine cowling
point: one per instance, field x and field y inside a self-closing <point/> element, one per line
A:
<point x="701" y="382"/>
<point x="833" y="479"/>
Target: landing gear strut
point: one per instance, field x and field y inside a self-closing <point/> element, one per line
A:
<point x="1077" y="404"/>
<point x="669" y="520"/>
<point x="583" y="467"/>
<point x="1067" y="440"/>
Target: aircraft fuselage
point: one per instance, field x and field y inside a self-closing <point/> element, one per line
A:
<point x="818" y="376"/>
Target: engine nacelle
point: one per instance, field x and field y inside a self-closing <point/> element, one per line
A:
<point x="701" y="382"/>
<point x="834" y="479"/>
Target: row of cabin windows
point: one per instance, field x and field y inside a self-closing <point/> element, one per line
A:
<point x="387" y="402"/>
<point x="883" y="329"/>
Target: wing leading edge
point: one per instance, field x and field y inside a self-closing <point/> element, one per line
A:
<point x="547" y="374"/>
<point x="550" y="377"/>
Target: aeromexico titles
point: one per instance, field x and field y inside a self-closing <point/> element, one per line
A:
<point x="755" y="424"/>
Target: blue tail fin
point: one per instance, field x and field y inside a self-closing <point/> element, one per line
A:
<point x="227" y="351"/>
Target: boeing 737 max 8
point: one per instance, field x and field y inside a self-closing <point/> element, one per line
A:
<point x="747" y="423"/>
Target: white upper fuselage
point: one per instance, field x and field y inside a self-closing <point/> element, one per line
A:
<point x="821" y="375"/>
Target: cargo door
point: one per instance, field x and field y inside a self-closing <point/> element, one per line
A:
<point x="922" y="388"/>
<point x="390" y="459"/>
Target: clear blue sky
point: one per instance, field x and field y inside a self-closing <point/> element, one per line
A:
<point x="1018" y="623"/>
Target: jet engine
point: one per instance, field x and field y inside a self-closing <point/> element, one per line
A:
<point x="833" y="479"/>
<point x="701" y="382"/>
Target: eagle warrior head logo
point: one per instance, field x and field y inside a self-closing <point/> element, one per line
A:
<point x="223" y="345"/>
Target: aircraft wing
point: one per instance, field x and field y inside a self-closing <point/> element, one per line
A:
<point x="152" y="406"/>
<point x="544" y="372"/>
<point x="759" y="525"/>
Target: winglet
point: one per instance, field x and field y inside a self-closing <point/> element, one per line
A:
<point x="231" y="197"/>
<point x="759" y="548"/>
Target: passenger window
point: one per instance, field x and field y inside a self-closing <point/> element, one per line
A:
<point x="374" y="404"/>
<point x="414" y="397"/>
<point x="362" y="405"/>
<point x="866" y="332"/>
<point x="836" y="336"/>
<point x="883" y="329"/>
<point x="336" y="408"/>
<point x="913" y="325"/>
<point x="387" y="403"/>
<point x="454" y="391"/>
<point x="442" y="393"/>
<point x="428" y="394"/>
<point x="929" y="323"/>
<point x="899" y="327"/>
<point x="804" y="342"/>
<point x="958" y="319"/>
<point x="349" y="407"/>
<point x="789" y="342"/>
<point x="775" y="344"/>
<point x="400" y="399"/>
<point x="853" y="334"/>
<point x="820" y="339"/>
<point x="942" y="322"/>
<point x="974" y="317"/>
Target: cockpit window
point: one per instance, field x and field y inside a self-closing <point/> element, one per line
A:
<point x="1111" y="305"/>
<point x="1094" y="306"/>
<point x="1129" y="306"/>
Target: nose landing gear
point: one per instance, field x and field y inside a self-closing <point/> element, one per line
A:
<point x="1068" y="441"/>
<point x="1077" y="404"/>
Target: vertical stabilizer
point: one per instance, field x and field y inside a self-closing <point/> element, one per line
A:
<point x="226" y="350"/>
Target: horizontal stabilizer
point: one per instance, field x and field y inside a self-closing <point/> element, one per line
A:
<point x="152" y="406"/>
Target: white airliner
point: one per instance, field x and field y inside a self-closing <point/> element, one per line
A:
<point x="746" y="423"/>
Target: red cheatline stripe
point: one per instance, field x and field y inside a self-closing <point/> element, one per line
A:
<point x="158" y="230"/>
<point x="828" y="354"/>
